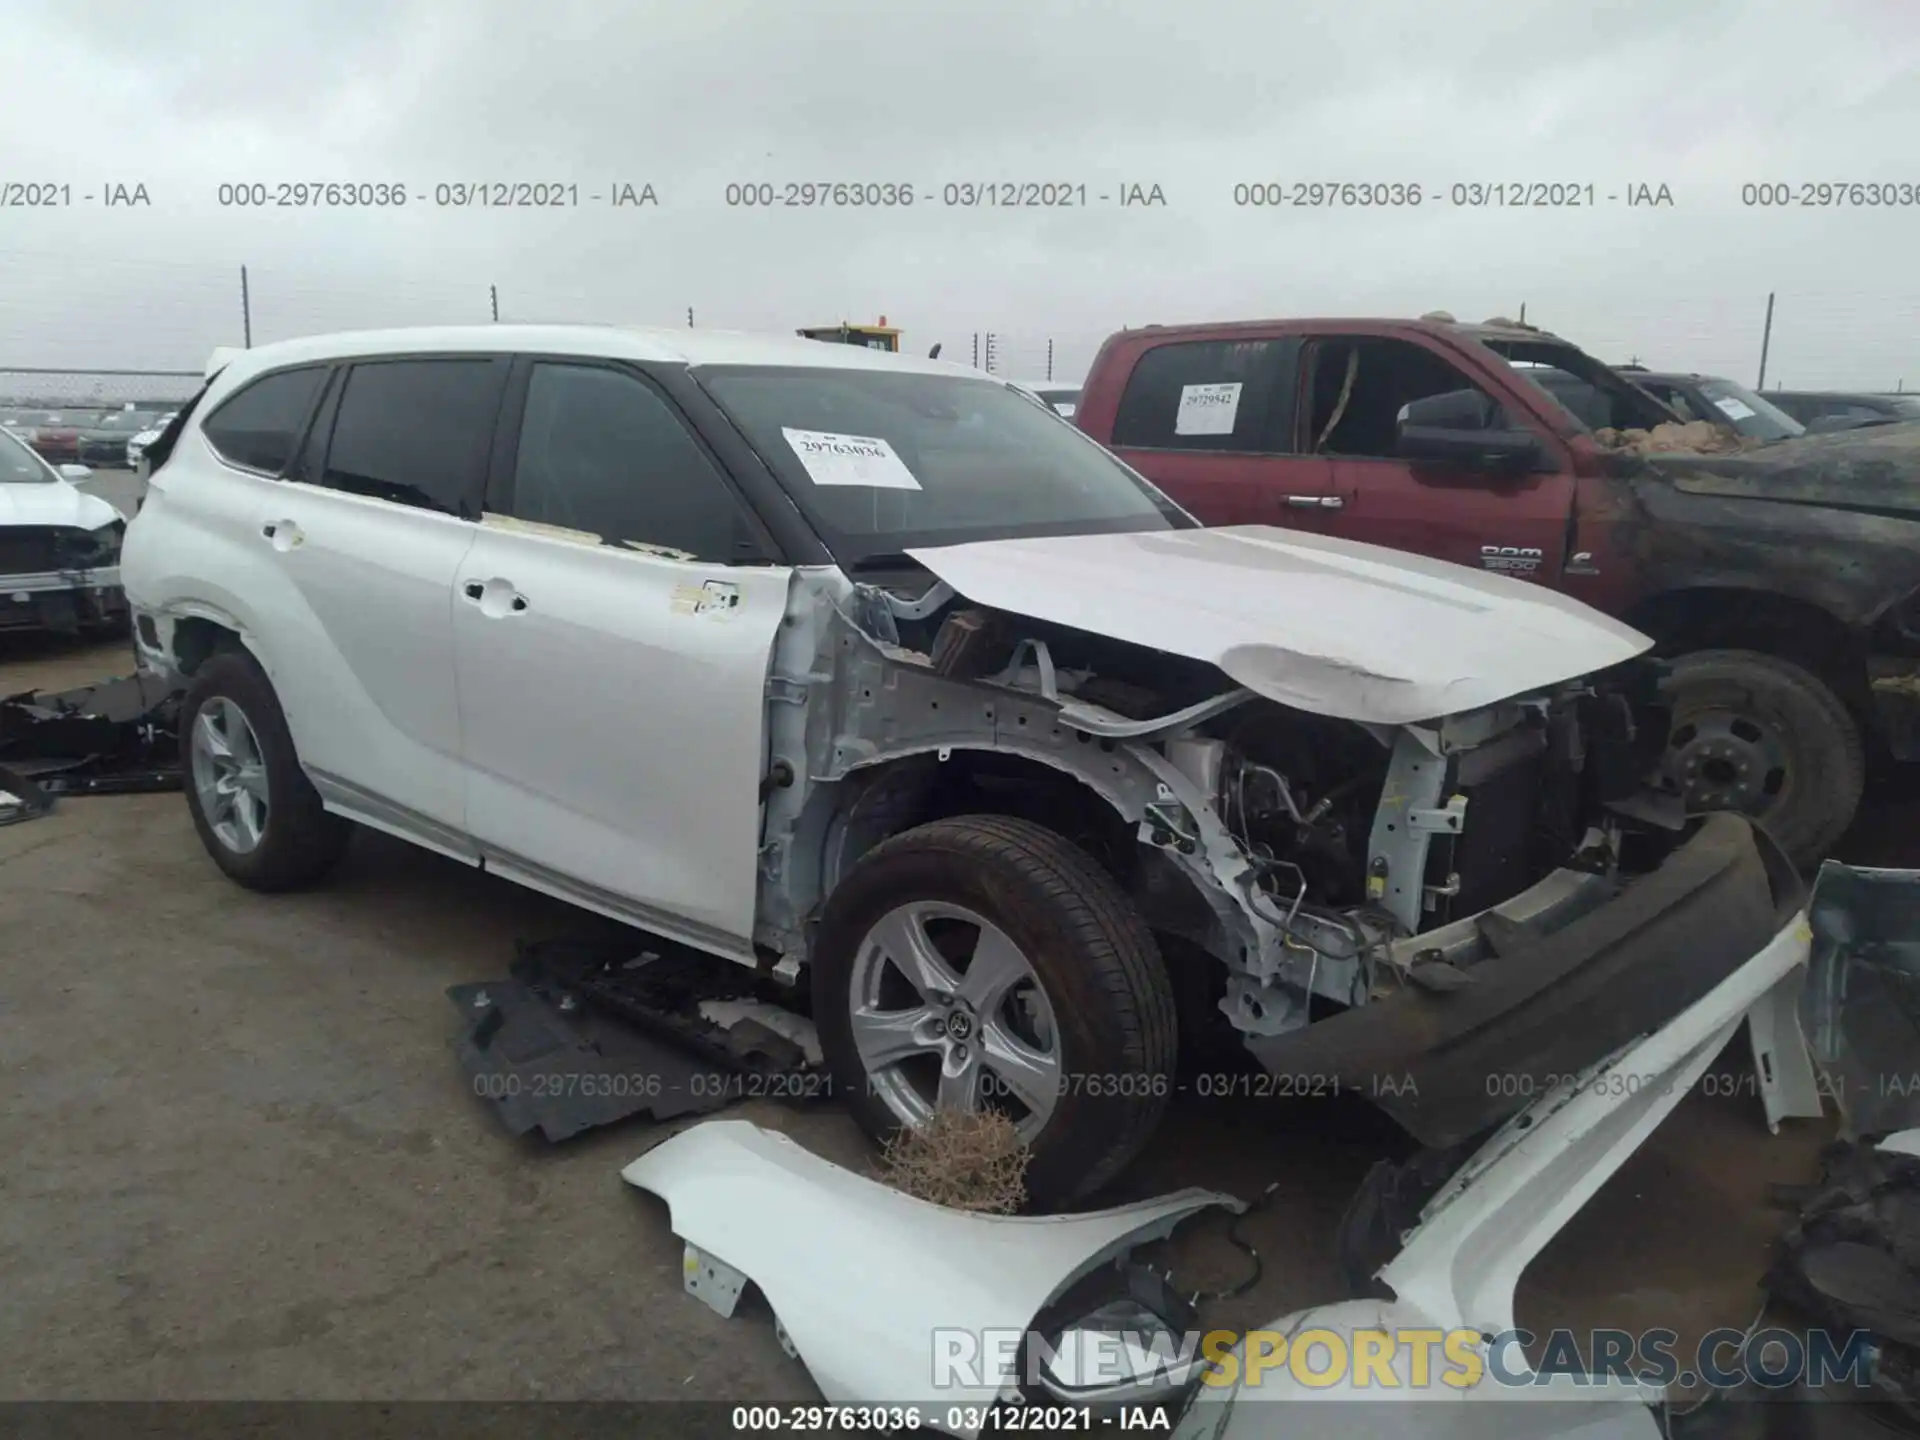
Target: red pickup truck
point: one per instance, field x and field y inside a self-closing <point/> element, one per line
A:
<point x="1783" y="580"/>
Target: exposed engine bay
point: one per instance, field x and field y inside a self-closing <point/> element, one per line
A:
<point x="1549" y="781"/>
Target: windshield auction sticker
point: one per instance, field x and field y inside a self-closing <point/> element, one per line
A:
<point x="864" y="460"/>
<point x="1207" y="409"/>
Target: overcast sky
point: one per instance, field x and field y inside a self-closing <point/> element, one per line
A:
<point x="1193" y="97"/>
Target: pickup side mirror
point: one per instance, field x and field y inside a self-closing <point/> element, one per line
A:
<point x="1466" y="430"/>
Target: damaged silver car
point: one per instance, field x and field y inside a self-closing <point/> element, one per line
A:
<point x="870" y="673"/>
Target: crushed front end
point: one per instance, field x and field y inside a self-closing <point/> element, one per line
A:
<point x="1446" y="916"/>
<point x="1452" y="918"/>
<point x="60" y="577"/>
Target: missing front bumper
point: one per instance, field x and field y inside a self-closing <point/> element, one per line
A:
<point x="1548" y="1003"/>
<point x="65" y="603"/>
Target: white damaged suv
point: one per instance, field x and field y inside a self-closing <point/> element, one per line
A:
<point x="870" y="673"/>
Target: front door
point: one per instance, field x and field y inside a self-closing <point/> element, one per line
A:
<point x="613" y="627"/>
<point x="1512" y="525"/>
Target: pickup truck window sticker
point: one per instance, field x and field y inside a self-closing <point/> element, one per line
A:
<point x="1207" y="409"/>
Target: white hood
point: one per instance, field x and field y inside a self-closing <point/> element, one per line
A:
<point x="1324" y="625"/>
<point x="55" y="504"/>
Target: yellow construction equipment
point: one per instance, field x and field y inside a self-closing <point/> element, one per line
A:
<point x="870" y="337"/>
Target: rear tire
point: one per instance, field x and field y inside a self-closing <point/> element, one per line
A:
<point x="1106" y="1022"/>
<point x="257" y="813"/>
<point x="1758" y="734"/>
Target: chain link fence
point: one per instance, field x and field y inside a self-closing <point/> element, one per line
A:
<point x="96" y="390"/>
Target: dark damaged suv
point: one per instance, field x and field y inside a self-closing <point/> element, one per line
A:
<point x="1781" y="577"/>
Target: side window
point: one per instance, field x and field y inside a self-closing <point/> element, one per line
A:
<point x="1209" y="395"/>
<point x="416" y="432"/>
<point x="1360" y="386"/>
<point x="259" y="425"/>
<point x="1677" y="401"/>
<point x="602" y="452"/>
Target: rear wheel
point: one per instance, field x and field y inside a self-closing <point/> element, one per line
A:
<point x="257" y="813"/>
<point x="985" y="963"/>
<point x="1762" y="736"/>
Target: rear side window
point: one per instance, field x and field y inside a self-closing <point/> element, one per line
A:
<point x="601" y="452"/>
<point x="258" y="427"/>
<point x="1210" y="395"/>
<point x="416" y="432"/>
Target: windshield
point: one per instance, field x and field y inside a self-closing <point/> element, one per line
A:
<point x="20" y="466"/>
<point x="1749" y="413"/>
<point x="881" y="461"/>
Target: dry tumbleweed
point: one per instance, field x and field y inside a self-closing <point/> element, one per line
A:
<point x="963" y="1160"/>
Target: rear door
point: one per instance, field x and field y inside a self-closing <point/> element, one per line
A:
<point x="367" y="532"/>
<point x="1354" y="389"/>
<point x="613" y="628"/>
<point x="1210" y="423"/>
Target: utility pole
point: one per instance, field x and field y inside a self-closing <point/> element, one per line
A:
<point x="689" y="317"/>
<point x="493" y="294"/>
<point x="1523" y="312"/>
<point x="1766" y="339"/>
<point x="246" y="310"/>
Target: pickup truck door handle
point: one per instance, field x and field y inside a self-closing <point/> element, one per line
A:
<point x="495" y="598"/>
<point x="1316" y="502"/>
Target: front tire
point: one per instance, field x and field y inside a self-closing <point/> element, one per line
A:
<point x="986" y="962"/>
<point x="257" y="813"/>
<point x="1760" y="735"/>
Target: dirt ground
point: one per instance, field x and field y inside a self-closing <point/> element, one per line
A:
<point x="244" y="1163"/>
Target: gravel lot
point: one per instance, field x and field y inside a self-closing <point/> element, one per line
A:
<point x="246" y="1165"/>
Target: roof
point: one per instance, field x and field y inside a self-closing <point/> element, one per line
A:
<point x="1485" y="334"/>
<point x="612" y="342"/>
<point x="1854" y="395"/>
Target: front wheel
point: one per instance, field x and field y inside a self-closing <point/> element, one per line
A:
<point x="1760" y="735"/>
<point x="986" y="963"/>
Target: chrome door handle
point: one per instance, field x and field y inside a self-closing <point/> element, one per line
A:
<point x="1316" y="502"/>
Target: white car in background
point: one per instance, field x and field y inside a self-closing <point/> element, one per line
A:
<point x="59" y="546"/>
<point x="137" y="446"/>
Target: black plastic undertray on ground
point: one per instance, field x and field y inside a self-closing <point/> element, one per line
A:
<point x="584" y="1034"/>
<point x="111" y="738"/>
<point x="564" y="1071"/>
